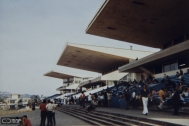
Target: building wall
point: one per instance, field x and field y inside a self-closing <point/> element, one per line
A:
<point x="15" y="96"/>
<point x="137" y="76"/>
<point x="170" y="73"/>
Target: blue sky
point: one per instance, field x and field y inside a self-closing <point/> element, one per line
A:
<point x="32" y="36"/>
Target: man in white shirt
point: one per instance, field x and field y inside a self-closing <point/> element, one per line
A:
<point x="53" y="113"/>
<point x="49" y="108"/>
<point x="109" y="95"/>
<point x="89" y="98"/>
<point x="102" y="99"/>
<point x="185" y="93"/>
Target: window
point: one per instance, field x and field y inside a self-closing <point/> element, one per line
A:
<point x="174" y="66"/>
<point x="12" y="101"/>
<point x="170" y="66"/>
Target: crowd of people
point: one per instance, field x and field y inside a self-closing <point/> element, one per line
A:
<point x="175" y="98"/>
<point x="47" y="114"/>
<point x="133" y="97"/>
<point x="146" y="97"/>
<point x="173" y="93"/>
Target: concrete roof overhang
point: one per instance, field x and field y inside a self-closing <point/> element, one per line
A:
<point x="62" y="75"/>
<point x="73" y="86"/>
<point x="145" y="22"/>
<point x="94" y="58"/>
<point x="113" y="76"/>
<point x="66" y="94"/>
<point x="167" y="55"/>
<point x="63" y="89"/>
<point x="93" y="82"/>
<point x="68" y="88"/>
<point x="58" y="89"/>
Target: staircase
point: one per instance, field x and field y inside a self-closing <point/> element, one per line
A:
<point x="108" y="118"/>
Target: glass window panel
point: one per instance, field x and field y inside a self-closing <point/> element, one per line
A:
<point x="173" y="66"/>
<point x="166" y="68"/>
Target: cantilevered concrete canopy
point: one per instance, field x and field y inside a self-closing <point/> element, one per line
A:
<point x="67" y="88"/>
<point x="63" y="75"/>
<point x="167" y="55"/>
<point x="113" y="76"/>
<point x="145" y="22"/>
<point x="97" y="58"/>
<point x="58" y="89"/>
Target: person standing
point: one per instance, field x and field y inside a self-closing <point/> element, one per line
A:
<point x="181" y="72"/>
<point x="83" y="99"/>
<point x="176" y="101"/>
<point x="53" y="114"/>
<point x="99" y="100"/>
<point x="161" y="95"/>
<point x="109" y="98"/>
<point x="72" y="100"/>
<point x="105" y="99"/>
<point x="133" y="98"/>
<point x="127" y="98"/>
<point x="89" y="98"/>
<point x="80" y="100"/>
<point x="102" y="99"/>
<point x="49" y="108"/>
<point x="144" y="95"/>
<point x="75" y="100"/>
<point x="42" y="107"/>
<point x="33" y="106"/>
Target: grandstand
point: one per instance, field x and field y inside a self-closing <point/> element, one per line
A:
<point x="100" y="83"/>
<point x="70" y="83"/>
<point x="158" y="24"/>
<point x="104" y="60"/>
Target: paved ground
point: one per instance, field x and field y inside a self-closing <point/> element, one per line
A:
<point x="162" y="116"/>
<point x="61" y="118"/>
<point x="64" y="119"/>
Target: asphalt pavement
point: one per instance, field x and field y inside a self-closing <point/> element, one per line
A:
<point x="62" y="119"/>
